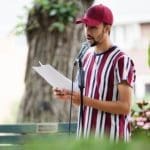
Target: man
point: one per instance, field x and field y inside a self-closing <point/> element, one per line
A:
<point x="109" y="80"/>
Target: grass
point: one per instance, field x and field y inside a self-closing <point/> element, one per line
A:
<point x="64" y="142"/>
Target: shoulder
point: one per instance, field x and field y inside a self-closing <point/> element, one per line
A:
<point x="122" y="55"/>
<point x="88" y="53"/>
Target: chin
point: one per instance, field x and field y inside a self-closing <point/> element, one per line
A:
<point x="92" y="43"/>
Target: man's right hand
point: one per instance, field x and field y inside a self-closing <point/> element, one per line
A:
<point x="61" y="94"/>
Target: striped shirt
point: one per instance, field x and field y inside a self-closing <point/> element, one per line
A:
<point x="103" y="72"/>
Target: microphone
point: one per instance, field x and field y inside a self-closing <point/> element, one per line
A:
<point x="85" y="46"/>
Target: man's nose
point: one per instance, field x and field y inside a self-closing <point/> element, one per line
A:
<point x="87" y="30"/>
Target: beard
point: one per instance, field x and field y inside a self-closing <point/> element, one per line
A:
<point x="92" y="41"/>
<point x="96" y="41"/>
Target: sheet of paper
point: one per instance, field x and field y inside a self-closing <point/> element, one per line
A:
<point x="53" y="77"/>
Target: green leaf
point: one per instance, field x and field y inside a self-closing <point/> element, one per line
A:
<point x="63" y="10"/>
<point x="53" y="12"/>
<point x="57" y="26"/>
<point x="62" y="13"/>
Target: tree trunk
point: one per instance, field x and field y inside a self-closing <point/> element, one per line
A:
<point x="55" y="48"/>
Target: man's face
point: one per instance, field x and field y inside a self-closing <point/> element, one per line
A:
<point x="94" y="34"/>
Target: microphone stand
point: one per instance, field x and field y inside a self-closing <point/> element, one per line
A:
<point x="84" y="48"/>
<point x="81" y="87"/>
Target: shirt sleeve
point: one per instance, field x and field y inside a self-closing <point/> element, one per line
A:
<point x="125" y="70"/>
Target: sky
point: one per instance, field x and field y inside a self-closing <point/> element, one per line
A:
<point x="13" y="54"/>
<point x="128" y="10"/>
<point x="10" y="9"/>
<point x="13" y="49"/>
<point x="9" y="12"/>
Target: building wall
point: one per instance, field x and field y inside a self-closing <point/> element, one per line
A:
<point x="134" y="40"/>
<point x="145" y="30"/>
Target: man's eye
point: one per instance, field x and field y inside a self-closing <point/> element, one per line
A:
<point x="93" y="27"/>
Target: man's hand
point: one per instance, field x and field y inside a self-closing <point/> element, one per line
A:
<point x="60" y="94"/>
<point x="64" y="94"/>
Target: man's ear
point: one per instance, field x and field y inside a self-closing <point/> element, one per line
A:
<point x="108" y="28"/>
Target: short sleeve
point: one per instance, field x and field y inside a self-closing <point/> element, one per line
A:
<point x="125" y="70"/>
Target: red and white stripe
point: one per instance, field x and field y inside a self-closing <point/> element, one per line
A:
<point x="103" y="72"/>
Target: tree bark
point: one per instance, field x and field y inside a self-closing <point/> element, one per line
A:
<point x="59" y="50"/>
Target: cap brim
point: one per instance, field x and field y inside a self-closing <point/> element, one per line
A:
<point x="87" y="21"/>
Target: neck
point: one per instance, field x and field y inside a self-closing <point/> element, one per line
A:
<point x="104" y="46"/>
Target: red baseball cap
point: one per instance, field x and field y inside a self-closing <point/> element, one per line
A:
<point x="96" y="15"/>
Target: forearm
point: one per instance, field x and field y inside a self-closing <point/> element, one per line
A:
<point x="121" y="106"/>
<point x="115" y="107"/>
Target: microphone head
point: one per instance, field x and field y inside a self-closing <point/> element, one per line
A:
<point x="85" y="46"/>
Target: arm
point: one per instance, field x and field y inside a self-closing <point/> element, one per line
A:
<point x="122" y="106"/>
<point x="125" y="73"/>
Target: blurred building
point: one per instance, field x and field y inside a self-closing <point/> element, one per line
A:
<point x="132" y="33"/>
